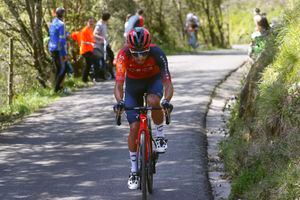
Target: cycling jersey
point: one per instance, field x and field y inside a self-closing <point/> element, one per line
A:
<point x="155" y="63"/>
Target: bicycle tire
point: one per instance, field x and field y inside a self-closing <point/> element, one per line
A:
<point x="150" y="173"/>
<point x="143" y="166"/>
<point x="150" y="166"/>
<point x="107" y="75"/>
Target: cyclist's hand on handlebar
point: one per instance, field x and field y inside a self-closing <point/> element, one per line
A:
<point x="167" y="105"/>
<point x="119" y="106"/>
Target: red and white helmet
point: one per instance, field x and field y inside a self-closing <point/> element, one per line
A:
<point x="138" y="39"/>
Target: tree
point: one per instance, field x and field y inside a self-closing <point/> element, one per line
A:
<point x="29" y="26"/>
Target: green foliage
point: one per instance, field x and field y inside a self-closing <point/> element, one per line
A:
<point x="32" y="100"/>
<point x="248" y="177"/>
<point x="241" y="17"/>
<point x="279" y="87"/>
<point x="262" y="153"/>
<point x="25" y="104"/>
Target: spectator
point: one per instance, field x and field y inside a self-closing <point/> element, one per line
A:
<point x="136" y="20"/>
<point x="76" y="37"/>
<point x="257" y="16"/>
<point x="126" y="23"/>
<point x="192" y="25"/>
<point x="86" y="48"/>
<point x="101" y="39"/>
<point x="258" y="38"/>
<point x="58" y="47"/>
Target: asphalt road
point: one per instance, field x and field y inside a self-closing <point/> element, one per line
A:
<point x="72" y="150"/>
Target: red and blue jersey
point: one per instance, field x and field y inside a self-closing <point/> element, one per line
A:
<point x="155" y="63"/>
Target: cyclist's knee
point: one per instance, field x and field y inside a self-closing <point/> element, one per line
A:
<point x="153" y="100"/>
<point x="134" y="128"/>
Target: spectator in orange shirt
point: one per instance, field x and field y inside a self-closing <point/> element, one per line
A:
<point x="76" y="37"/>
<point x="86" y="48"/>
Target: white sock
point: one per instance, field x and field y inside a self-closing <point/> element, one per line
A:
<point x="158" y="130"/>
<point x="133" y="161"/>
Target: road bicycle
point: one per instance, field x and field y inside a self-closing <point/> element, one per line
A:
<point x="147" y="157"/>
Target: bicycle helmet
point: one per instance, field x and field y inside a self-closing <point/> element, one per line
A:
<point x="138" y="39"/>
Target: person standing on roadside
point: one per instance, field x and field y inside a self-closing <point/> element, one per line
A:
<point x="136" y="20"/>
<point x="101" y="40"/>
<point x="192" y="25"/>
<point x="259" y="38"/>
<point x="87" y="47"/>
<point x="256" y="16"/>
<point x="58" y="47"/>
<point x="126" y="24"/>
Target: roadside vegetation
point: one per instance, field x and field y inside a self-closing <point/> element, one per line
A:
<point x="240" y="17"/>
<point x="32" y="99"/>
<point x="262" y="153"/>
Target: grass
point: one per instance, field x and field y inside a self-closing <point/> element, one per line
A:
<point x="248" y="177"/>
<point x="32" y="100"/>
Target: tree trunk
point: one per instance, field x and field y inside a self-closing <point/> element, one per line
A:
<point x="219" y="22"/>
<point x="32" y="36"/>
<point x="177" y="4"/>
<point x="206" y="8"/>
<point x="35" y="13"/>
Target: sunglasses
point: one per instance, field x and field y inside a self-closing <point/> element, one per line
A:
<point x="139" y="53"/>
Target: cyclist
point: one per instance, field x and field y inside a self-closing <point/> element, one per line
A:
<point x="144" y="69"/>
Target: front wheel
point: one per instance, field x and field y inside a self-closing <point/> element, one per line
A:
<point x="150" y="172"/>
<point x="143" y="170"/>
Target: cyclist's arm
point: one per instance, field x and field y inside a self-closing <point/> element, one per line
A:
<point x="168" y="90"/>
<point x="120" y="75"/>
<point x="162" y="62"/>
<point x="119" y="91"/>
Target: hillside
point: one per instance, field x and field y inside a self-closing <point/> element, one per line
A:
<point x="240" y="16"/>
<point x="262" y="153"/>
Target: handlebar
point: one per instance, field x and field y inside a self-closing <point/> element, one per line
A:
<point x="143" y="109"/>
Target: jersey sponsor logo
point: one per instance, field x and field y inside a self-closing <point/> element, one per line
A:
<point x="144" y="69"/>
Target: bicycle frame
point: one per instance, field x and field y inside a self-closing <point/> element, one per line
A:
<point x="145" y="153"/>
<point x="144" y="129"/>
